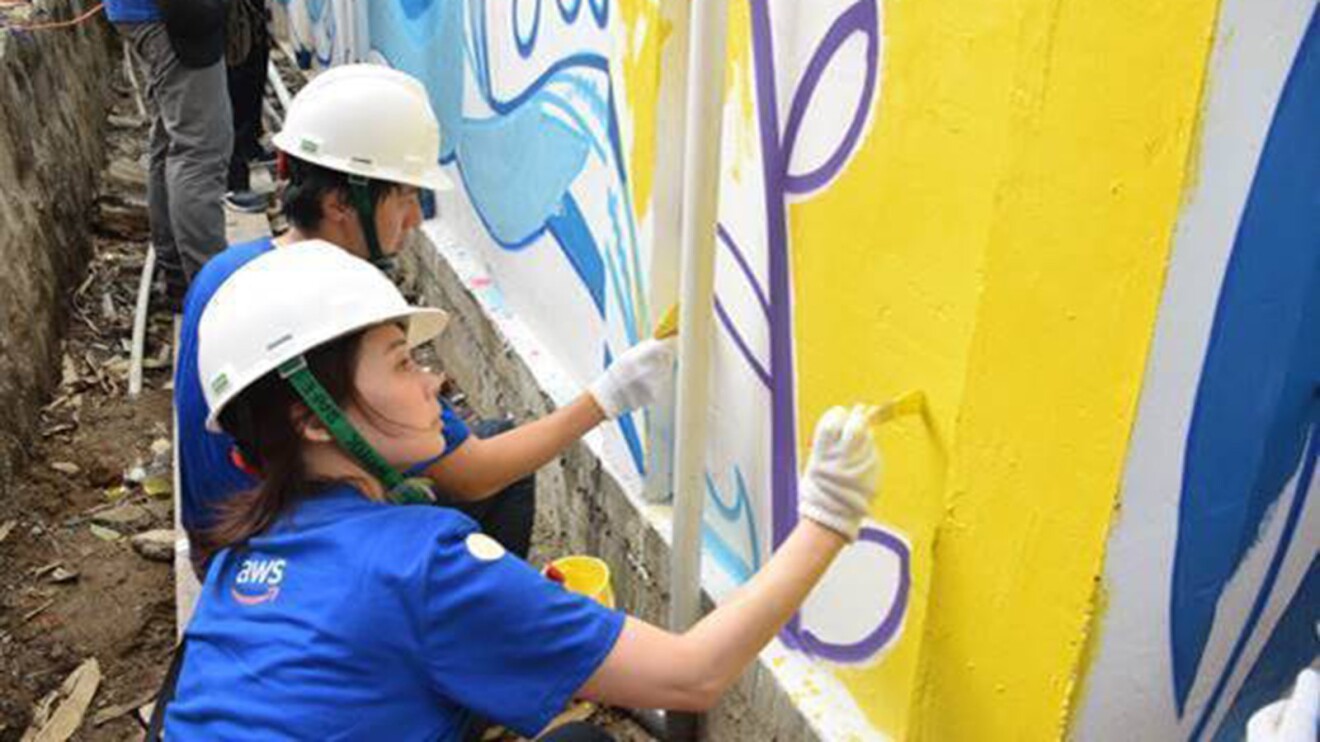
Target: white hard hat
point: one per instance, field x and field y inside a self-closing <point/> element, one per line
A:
<point x="287" y="302"/>
<point x="368" y="120"/>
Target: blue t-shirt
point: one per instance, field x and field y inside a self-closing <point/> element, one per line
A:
<point x="353" y="619"/>
<point x="207" y="473"/>
<point x="132" y="11"/>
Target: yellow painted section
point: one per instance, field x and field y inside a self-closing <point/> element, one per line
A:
<point x="740" y="87"/>
<point x="999" y="241"/>
<point x="644" y="33"/>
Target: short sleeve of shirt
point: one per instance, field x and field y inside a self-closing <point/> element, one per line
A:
<point x="503" y="641"/>
<point x="454" y="429"/>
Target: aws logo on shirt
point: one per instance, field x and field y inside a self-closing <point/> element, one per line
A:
<point x="258" y="580"/>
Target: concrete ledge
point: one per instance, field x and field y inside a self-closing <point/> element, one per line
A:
<point x="593" y="507"/>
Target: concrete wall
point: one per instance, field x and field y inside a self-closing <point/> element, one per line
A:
<point x="53" y="96"/>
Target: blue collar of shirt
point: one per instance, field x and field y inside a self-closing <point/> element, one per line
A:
<point x="325" y="506"/>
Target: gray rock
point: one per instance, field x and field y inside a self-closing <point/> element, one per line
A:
<point x="124" y="517"/>
<point x="157" y="545"/>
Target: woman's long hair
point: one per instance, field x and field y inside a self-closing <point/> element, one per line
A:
<point x="264" y="422"/>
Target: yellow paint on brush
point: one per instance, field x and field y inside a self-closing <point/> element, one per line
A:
<point x="999" y="240"/>
<point x="911" y="403"/>
<point x="667" y="327"/>
<point x="644" y="33"/>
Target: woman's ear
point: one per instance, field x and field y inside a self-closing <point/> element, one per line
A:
<point x="309" y="426"/>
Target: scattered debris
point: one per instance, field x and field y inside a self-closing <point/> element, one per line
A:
<point x="110" y="713"/>
<point x="65" y="467"/>
<point x="60" y="575"/>
<point x="100" y="598"/>
<point x="157" y="545"/>
<point x="55" y="430"/>
<point x="37" y="611"/>
<point x="73" y="697"/>
<point x="105" y="534"/>
<point x="158" y="486"/>
<point x="40" y="572"/>
<point x="128" y="516"/>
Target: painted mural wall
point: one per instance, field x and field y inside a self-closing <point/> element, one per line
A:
<point x="1087" y="231"/>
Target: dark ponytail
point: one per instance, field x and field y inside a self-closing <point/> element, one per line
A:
<point x="264" y="422"/>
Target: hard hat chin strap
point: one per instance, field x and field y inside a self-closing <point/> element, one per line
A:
<point x="399" y="489"/>
<point x="359" y="191"/>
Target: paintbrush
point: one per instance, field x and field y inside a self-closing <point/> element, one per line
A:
<point x="911" y="403"/>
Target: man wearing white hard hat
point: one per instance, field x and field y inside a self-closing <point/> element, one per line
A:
<point x="360" y="142"/>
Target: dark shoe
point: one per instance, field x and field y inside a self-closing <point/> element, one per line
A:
<point x="247" y="202"/>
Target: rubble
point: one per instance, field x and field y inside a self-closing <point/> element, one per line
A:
<point x="157" y="545"/>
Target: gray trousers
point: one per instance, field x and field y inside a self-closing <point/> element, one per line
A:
<point x="192" y="134"/>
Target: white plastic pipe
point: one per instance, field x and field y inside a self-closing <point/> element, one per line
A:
<point x="667" y="206"/>
<point x="130" y="60"/>
<point x="701" y="170"/>
<point x="140" y="324"/>
<point x="277" y="85"/>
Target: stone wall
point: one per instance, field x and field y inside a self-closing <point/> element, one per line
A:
<point x="53" y="96"/>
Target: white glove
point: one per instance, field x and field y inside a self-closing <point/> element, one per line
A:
<point x="634" y="378"/>
<point x="842" y="473"/>
<point x="1292" y="719"/>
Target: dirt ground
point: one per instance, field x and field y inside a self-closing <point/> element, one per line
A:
<point x="72" y="585"/>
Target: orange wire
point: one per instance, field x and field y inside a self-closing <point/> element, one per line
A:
<point x="56" y="24"/>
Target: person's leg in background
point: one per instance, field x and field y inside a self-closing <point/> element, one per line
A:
<point x="144" y="39"/>
<point x="507" y="515"/>
<point x="196" y="113"/>
<point x="246" y="77"/>
<point x="191" y="137"/>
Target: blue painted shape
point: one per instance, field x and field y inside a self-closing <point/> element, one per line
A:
<point x="1257" y="392"/>
<point x="1262" y="597"/>
<point x="628" y="427"/>
<point x="520" y="157"/>
<point x="1275" y="670"/>
<point x="518" y="168"/>
<point x="739" y="565"/>
<point x="574" y="237"/>
<point x="413" y="9"/>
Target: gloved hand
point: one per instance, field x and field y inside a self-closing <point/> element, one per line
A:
<point x="842" y="472"/>
<point x="634" y="378"/>
<point x="1293" y="719"/>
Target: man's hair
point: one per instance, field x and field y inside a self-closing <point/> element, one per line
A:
<point x="309" y="183"/>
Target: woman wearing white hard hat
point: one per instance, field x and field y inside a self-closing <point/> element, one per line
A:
<point x="333" y="611"/>
<point x="360" y="141"/>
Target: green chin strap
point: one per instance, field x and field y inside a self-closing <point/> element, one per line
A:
<point x="359" y="192"/>
<point x="399" y="489"/>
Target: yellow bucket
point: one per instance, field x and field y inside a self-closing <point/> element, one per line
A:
<point x="586" y="575"/>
